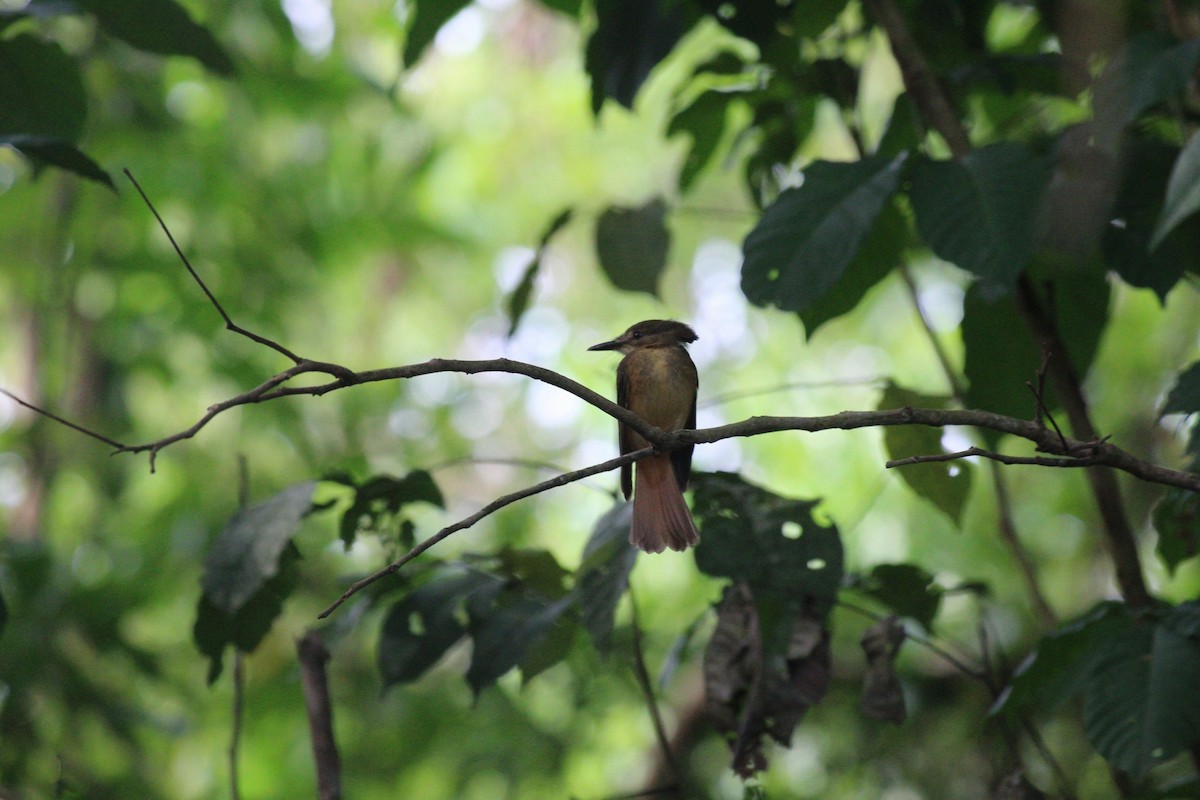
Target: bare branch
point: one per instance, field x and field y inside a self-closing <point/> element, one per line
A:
<point x="229" y="323"/>
<point x="1044" y="461"/>
<point x="489" y="509"/>
<point x="73" y="426"/>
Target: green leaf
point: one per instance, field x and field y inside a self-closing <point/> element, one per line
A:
<point x="57" y="153"/>
<point x="160" y="26"/>
<point x="1141" y="706"/>
<point x="630" y="38"/>
<point x="421" y="627"/>
<point x="380" y="497"/>
<point x="906" y="589"/>
<point x="1177" y="520"/>
<point x="903" y="131"/>
<point x="41" y="95"/>
<point x="807" y="238"/>
<point x="3" y="614"/>
<point x="1000" y="353"/>
<point x="1148" y="70"/>
<point x="1183" y="191"/>
<point x="946" y="484"/>
<point x="247" y="553"/>
<point x="603" y="576"/>
<point x="770" y="542"/>
<point x="216" y="627"/>
<point x="518" y="301"/>
<point x="704" y="122"/>
<point x="1184" y="397"/>
<point x="1126" y="247"/>
<point x="506" y="627"/>
<point x="428" y="17"/>
<point x="1058" y="669"/>
<point x="632" y="245"/>
<point x="874" y="261"/>
<point x="979" y="212"/>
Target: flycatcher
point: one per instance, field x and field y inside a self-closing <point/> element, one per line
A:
<point x="657" y="381"/>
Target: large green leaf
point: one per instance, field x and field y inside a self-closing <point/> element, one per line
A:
<point x="422" y="626"/>
<point x="1137" y="673"/>
<point x="946" y="484"/>
<point x="160" y="26"/>
<point x="1183" y="191"/>
<point x="428" y="17"/>
<point x="1184" y="397"/>
<point x="1126" y="244"/>
<point x="1149" y="69"/>
<point x="41" y="91"/>
<point x="807" y="238"/>
<point x="1177" y="522"/>
<point x="57" y="153"/>
<point x="873" y="262"/>
<point x="630" y="38"/>
<point x="247" y="553"/>
<point x="1001" y="355"/>
<point x="632" y="245"/>
<point x="508" y="627"/>
<point x="979" y="212"/>
<point x="770" y="542"/>
<point x="603" y="576"/>
<point x="216" y="627"/>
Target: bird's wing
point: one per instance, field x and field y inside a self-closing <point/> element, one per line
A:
<point x="625" y="443"/>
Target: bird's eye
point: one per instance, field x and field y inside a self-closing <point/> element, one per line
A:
<point x="637" y="334"/>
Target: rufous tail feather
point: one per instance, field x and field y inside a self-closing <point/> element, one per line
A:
<point x="660" y="516"/>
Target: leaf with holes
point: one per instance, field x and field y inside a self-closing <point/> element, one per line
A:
<point x="770" y="542"/>
<point x="807" y="238"/>
<point x="906" y="589"/>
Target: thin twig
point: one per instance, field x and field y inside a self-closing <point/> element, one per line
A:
<point x="1043" y="461"/>
<point x="229" y="323"/>
<point x="643" y="678"/>
<point x="928" y="644"/>
<point x="73" y="426"/>
<point x="490" y="508"/>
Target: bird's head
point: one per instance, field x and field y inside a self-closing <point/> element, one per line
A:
<point x="650" y="333"/>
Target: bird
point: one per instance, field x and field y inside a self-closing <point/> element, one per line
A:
<point x="657" y="380"/>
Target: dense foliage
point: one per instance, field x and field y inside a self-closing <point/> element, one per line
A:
<point x="874" y="204"/>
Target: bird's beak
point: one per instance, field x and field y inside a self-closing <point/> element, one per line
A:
<point x="614" y="344"/>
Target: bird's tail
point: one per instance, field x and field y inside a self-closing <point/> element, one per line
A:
<point x="660" y="517"/>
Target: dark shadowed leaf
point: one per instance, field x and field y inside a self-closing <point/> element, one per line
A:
<point x="507" y="627"/>
<point x="704" y="122"/>
<point x="518" y="301"/>
<point x="381" y="497"/>
<point x="770" y="542"/>
<point x="882" y="695"/>
<point x="160" y="26"/>
<point x="906" y="589"/>
<point x="217" y="628"/>
<point x="1001" y="355"/>
<point x="1149" y="69"/>
<point x="3" y="614"/>
<point x="1177" y="521"/>
<point x="603" y="576"/>
<point x="632" y="245"/>
<point x="41" y="94"/>
<point x="903" y="132"/>
<point x="1184" y="397"/>
<point x="1126" y="243"/>
<point x="878" y="254"/>
<point x="630" y="38"/>
<point x="1183" y="191"/>
<point x="57" y="153"/>
<point x="428" y="17"/>
<point x="247" y="553"/>
<point x="421" y="627"/>
<point x="946" y="484"/>
<point x="809" y="235"/>
<point x="978" y="212"/>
